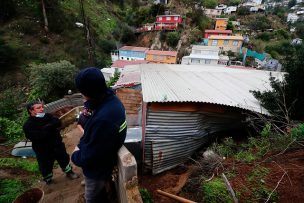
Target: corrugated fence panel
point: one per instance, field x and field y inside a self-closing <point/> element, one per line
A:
<point x="172" y="137"/>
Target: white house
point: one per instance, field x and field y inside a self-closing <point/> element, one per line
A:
<point x="160" y="1"/>
<point x="221" y="7"/>
<point x="292" y="17"/>
<point x="230" y="9"/>
<point x="204" y="55"/>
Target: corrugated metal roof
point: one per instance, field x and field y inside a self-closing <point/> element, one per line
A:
<point x="131" y="48"/>
<point x="207" y="84"/>
<point x="162" y="53"/>
<point x="203" y="56"/>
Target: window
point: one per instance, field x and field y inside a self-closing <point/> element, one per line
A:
<point x="196" y="51"/>
<point x="235" y="43"/>
<point x="160" y="18"/>
<point x="176" y="18"/>
<point x="214" y="42"/>
<point x="128" y="59"/>
<point x="168" y="18"/>
<point x="207" y="61"/>
<point x="122" y="58"/>
<point x="226" y="42"/>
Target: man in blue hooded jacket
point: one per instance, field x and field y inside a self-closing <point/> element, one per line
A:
<point x="104" y="134"/>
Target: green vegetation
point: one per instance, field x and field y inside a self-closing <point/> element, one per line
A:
<point x="286" y="98"/>
<point x="11" y="129"/>
<point x="172" y="38"/>
<point x="25" y="164"/>
<point x="10" y="189"/>
<point x="259" y="189"/>
<point x="215" y="191"/>
<point x="298" y="132"/>
<point x="145" y="195"/>
<point x="51" y="80"/>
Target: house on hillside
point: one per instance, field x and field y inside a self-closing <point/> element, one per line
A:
<point x="183" y="106"/>
<point x="115" y="55"/>
<point x="230" y="9"/>
<point x="221" y="23"/>
<point x="208" y="33"/>
<point x="292" y="17"/>
<point x="156" y="56"/>
<point x="226" y="43"/>
<point x="213" y="13"/>
<point x="221" y="7"/>
<point x="203" y="55"/>
<point x="167" y="22"/>
<point x="160" y="1"/>
<point x="118" y="66"/>
<point x="130" y="53"/>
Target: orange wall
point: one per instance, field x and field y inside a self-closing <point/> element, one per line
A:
<point x="161" y="59"/>
<point x="220" y="24"/>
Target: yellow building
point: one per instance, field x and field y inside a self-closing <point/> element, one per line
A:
<point x="221" y="23"/>
<point x="156" y="56"/>
<point x="226" y="43"/>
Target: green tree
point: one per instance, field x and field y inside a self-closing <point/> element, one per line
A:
<point x="242" y="11"/>
<point x="172" y="38"/>
<point x="260" y="22"/>
<point x="286" y="97"/>
<point x="230" y="26"/>
<point x="210" y="3"/>
<point x="300" y="28"/>
<point x="292" y="3"/>
<point x="51" y="81"/>
<point x="234" y="3"/>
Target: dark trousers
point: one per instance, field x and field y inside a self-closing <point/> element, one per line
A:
<point x="47" y="158"/>
<point x="95" y="191"/>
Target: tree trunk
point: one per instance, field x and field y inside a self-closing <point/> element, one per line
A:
<point x="46" y="23"/>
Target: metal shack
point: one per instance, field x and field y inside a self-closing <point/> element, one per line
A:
<point x="184" y="105"/>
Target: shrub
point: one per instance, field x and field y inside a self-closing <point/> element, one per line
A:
<point x="227" y="148"/>
<point x="10" y="189"/>
<point x="145" y="195"/>
<point x="172" y="38"/>
<point x="127" y="35"/>
<point x="298" y="132"/>
<point x="10" y="99"/>
<point x="12" y="130"/>
<point x="245" y="156"/>
<point x="215" y="191"/>
<point x="107" y="45"/>
<point x="51" y="81"/>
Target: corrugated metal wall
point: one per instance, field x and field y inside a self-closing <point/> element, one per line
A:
<point x="172" y="137"/>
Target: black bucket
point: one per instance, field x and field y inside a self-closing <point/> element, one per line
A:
<point x="34" y="195"/>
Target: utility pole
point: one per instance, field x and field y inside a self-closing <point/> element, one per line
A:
<point x="88" y="35"/>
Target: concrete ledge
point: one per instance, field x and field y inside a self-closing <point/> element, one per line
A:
<point x="127" y="185"/>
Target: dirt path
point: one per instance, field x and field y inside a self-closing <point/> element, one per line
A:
<point x="64" y="190"/>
